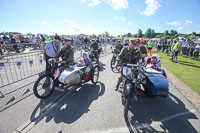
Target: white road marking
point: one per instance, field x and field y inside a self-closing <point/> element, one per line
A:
<point x="143" y="125"/>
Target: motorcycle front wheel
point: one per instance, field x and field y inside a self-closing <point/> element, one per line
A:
<point x="126" y="106"/>
<point x="95" y="75"/>
<point x="44" y="86"/>
<point x="112" y="63"/>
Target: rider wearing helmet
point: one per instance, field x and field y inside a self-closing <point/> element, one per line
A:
<point x="67" y="52"/>
<point x="154" y="62"/>
<point x="118" y="46"/>
<point x="94" y="47"/>
<point x="128" y="55"/>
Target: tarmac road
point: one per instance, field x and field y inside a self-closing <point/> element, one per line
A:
<point x="98" y="108"/>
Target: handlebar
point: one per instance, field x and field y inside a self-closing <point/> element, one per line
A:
<point x="130" y="65"/>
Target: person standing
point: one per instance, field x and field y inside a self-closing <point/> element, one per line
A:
<point x="196" y="50"/>
<point x="184" y="48"/>
<point x="149" y="47"/>
<point x="51" y="49"/>
<point x="176" y="51"/>
<point x="191" y="49"/>
<point x="1" y="46"/>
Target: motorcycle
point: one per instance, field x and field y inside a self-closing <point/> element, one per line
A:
<point x="93" y="55"/>
<point x="63" y="74"/>
<point x="154" y="83"/>
<point x="113" y="61"/>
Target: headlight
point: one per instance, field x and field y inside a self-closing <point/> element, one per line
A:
<point x="130" y="76"/>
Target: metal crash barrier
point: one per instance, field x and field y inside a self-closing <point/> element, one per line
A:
<point x="17" y="67"/>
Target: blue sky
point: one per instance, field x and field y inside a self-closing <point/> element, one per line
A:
<point x="97" y="16"/>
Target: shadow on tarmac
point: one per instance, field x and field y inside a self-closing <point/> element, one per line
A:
<point x="160" y="109"/>
<point x="73" y="106"/>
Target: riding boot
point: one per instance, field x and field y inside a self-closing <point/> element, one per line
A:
<point x="118" y="83"/>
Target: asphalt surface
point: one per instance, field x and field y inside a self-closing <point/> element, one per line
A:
<point x="97" y="108"/>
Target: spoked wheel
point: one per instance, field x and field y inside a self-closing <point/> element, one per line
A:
<point x="95" y="75"/>
<point x="112" y="63"/>
<point x="44" y="86"/>
<point x="126" y="106"/>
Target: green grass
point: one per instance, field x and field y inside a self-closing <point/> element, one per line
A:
<point x="187" y="70"/>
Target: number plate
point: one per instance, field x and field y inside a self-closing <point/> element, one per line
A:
<point x="126" y="70"/>
<point x="134" y="80"/>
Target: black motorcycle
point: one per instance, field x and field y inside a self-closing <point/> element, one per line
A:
<point x="153" y="82"/>
<point x="130" y="85"/>
<point x="114" y="60"/>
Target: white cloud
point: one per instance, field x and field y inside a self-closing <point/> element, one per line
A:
<point x="129" y="23"/>
<point x="83" y="1"/>
<point x="45" y="23"/>
<point x="123" y="19"/>
<point x="188" y="22"/>
<point x="116" y="18"/>
<point x="156" y="27"/>
<point x="70" y="22"/>
<point x="72" y="28"/>
<point x="118" y="4"/>
<point x="152" y="6"/>
<point x="180" y="28"/>
<point x="94" y="3"/>
<point x="175" y="23"/>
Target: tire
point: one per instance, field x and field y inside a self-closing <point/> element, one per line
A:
<point x="48" y="86"/>
<point x="112" y="63"/>
<point x="95" y="75"/>
<point x="126" y="106"/>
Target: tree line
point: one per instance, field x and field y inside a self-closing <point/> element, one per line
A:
<point x="150" y="33"/>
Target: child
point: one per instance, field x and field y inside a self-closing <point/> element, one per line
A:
<point x="86" y="61"/>
<point x="154" y="62"/>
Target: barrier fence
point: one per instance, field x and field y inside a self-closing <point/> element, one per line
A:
<point x="19" y="66"/>
<point x="18" y="72"/>
<point x="16" y="67"/>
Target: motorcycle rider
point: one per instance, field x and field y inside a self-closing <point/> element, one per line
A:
<point x="143" y="51"/>
<point x="67" y="52"/>
<point x="128" y="55"/>
<point x="118" y="46"/>
<point x="67" y="55"/>
<point x="94" y="47"/>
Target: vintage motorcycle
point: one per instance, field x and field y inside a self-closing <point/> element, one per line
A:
<point x="153" y="82"/>
<point x="64" y="74"/>
<point x="113" y="61"/>
<point x="93" y="54"/>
